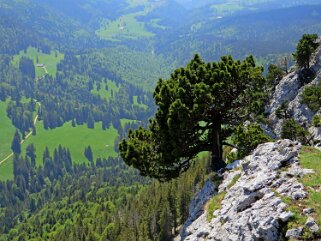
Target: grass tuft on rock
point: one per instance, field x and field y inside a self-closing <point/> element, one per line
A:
<point x="309" y="158"/>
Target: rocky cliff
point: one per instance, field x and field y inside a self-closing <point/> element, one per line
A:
<point x="289" y="90"/>
<point x="253" y="206"/>
<point x="252" y="201"/>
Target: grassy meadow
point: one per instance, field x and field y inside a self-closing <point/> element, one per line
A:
<point x="123" y="122"/>
<point x="135" y="103"/>
<point x="7" y="131"/>
<point x="49" y="60"/>
<point x="106" y="89"/>
<point x="76" y="139"/>
<point x="128" y="26"/>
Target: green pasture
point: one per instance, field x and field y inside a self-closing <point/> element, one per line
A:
<point x="123" y="122"/>
<point x="7" y="131"/>
<point x="135" y="103"/>
<point x="221" y="9"/>
<point x="103" y="92"/>
<point x="136" y="3"/>
<point x="49" y="60"/>
<point x="127" y="27"/>
<point x="75" y="138"/>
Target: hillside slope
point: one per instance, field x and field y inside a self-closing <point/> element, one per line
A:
<point x="290" y="90"/>
<point x="263" y="198"/>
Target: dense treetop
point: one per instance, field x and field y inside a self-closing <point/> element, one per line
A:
<point x="197" y="109"/>
<point x="305" y="48"/>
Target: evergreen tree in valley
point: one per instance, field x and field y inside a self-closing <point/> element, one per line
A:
<point x="31" y="153"/>
<point x="27" y="67"/>
<point x="15" y="146"/>
<point x="89" y="154"/>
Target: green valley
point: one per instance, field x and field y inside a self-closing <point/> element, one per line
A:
<point x="124" y="91"/>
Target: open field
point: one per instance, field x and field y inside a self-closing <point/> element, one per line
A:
<point x="127" y="121"/>
<point x="75" y="138"/>
<point x="222" y="9"/>
<point x="125" y="27"/>
<point x="49" y="60"/>
<point x="128" y="26"/>
<point x="106" y="93"/>
<point x="136" y="3"/>
<point x="135" y="103"/>
<point x="7" y="131"/>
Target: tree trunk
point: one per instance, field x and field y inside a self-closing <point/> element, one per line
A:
<point x="217" y="150"/>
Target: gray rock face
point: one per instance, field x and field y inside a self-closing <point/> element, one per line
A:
<point x="294" y="233"/>
<point x="308" y="211"/>
<point x="196" y="209"/>
<point x="312" y="225"/>
<point x="289" y="90"/>
<point x="252" y="208"/>
<point x="196" y="206"/>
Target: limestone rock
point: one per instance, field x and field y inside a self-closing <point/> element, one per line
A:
<point x="312" y="225"/>
<point x="251" y="209"/>
<point x="286" y="216"/>
<point x="294" y="233"/>
<point x="308" y="211"/>
<point x="196" y="206"/>
<point x="196" y="209"/>
<point x="289" y="90"/>
<point x="233" y="165"/>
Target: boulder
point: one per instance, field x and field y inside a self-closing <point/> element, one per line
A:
<point x="294" y="233"/>
<point x="312" y="225"/>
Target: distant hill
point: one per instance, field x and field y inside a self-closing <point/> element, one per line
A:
<point x="260" y="33"/>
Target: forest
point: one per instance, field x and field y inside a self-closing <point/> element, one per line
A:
<point x="72" y="90"/>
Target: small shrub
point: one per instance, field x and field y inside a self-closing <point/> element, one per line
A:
<point x="293" y="131"/>
<point x="247" y="138"/>
<point x="281" y="112"/>
<point x="214" y="204"/>
<point x="311" y="96"/>
<point x="316" y="121"/>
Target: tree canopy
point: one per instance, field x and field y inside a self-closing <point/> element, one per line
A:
<point x="305" y="48"/>
<point x="197" y="109"/>
<point x="15" y="145"/>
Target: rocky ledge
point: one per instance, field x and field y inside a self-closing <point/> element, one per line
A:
<point x="252" y="207"/>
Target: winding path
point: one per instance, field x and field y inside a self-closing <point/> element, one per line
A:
<point x="22" y="141"/>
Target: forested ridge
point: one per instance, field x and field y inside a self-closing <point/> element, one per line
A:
<point x="105" y="200"/>
<point x="91" y="67"/>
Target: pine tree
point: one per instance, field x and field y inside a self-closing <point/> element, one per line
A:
<point x="197" y="109"/>
<point x="304" y="50"/>
<point x="15" y="146"/>
<point x="31" y="153"/>
<point x="89" y="154"/>
<point x="90" y="122"/>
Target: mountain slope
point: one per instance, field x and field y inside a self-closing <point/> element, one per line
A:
<point x="289" y="91"/>
<point x="261" y="199"/>
<point x="259" y="33"/>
